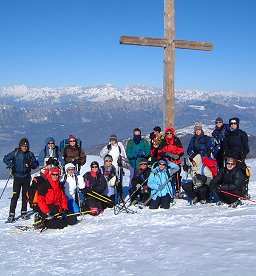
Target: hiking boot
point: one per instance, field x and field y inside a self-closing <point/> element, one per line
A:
<point x="219" y="203"/>
<point x="11" y="218"/>
<point x="203" y="201"/>
<point x="235" y="204"/>
<point x="24" y="216"/>
<point x="193" y="201"/>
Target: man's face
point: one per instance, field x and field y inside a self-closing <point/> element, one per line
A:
<point x="112" y="142"/>
<point x="51" y="145"/>
<point x="233" y="125"/>
<point x="24" y="148"/>
<point x="136" y="132"/>
<point x="198" y="131"/>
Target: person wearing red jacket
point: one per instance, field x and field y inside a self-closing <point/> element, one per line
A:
<point x="171" y="149"/>
<point x="52" y="202"/>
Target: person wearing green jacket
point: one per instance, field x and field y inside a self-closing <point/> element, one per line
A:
<point x="136" y="149"/>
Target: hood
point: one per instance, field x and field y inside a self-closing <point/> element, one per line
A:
<point x="49" y="139"/>
<point x="170" y="129"/>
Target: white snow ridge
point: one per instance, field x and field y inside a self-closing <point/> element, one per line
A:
<point x="184" y="240"/>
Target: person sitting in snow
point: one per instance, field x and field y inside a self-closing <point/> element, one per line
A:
<point x="72" y="183"/>
<point x="229" y="184"/>
<point x="140" y="191"/>
<point x="94" y="182"/>
<point x="115" y="149"/>
<point x="198" y="189"/>
<point x="52" y="202"/>
<point x="161" y="184"/>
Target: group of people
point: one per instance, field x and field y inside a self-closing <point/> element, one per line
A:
<point x="155" y="172"/>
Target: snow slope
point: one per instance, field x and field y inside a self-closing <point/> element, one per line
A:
<point x="185" y="240"/>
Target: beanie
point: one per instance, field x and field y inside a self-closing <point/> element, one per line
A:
<point x="71" y="137"/>
<point x="162" y="161"/>
<point x="219" y="119"/>
<point x="113" y="137"/>
<point x="231" y="160"/>
<point x="108" y="157"/>
<point x="143" y="161"/>
<point x="157" y="128"/>
<point x="24" y="142"/>
<point x="198" y="125"/>
<point x="94" y="163"/>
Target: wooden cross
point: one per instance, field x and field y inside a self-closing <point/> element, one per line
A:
<point x="169" y="43"/>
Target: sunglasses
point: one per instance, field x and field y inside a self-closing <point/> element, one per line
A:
<point x="71" y="141"/>
<point x="230" y="164"/>
<point x="233" y="123"/>
<point x="50" y="143"/>
<point x="55" y="174"/>
<point x="169" y="133"/>
<point x="162" y="164"/>
<point x="144" y="164"/>
<point x="94" y="167"/>
<point x="218" y="122"/>
<point x="108" y="161"/>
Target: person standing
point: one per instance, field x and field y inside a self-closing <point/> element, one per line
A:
<point x="236" y="143"/>
<point x="74" y="154"/>
<point x="20" y="161"/>
<point x="115" y="149"/>
<point x="136" y="148"/>
<point x="219" y="134"/>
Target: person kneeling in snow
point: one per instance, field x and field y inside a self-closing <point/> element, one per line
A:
<point x="52" y="202"/>
<point x="198" y="189"/>
<point x="162" y="185"/>
<point x="230" y="179"/>
<point x="72" y="183"/>
<point x="95" y="183"/>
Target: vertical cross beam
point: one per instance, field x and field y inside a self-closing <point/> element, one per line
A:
<point x="169" y="44"/>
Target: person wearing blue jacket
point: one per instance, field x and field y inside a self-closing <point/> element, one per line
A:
<point x="20" y="161"/>
<point x="161" y="184"/>
<point x="51" y="154"/>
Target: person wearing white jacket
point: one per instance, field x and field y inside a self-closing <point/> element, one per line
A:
<point x="115" y="149"/>
<point x="72" y="183"/>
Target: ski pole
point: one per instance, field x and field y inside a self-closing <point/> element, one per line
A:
<point x="6" y="185"/>
<point x="241" y="197"/>
<point x="101" y="198"/>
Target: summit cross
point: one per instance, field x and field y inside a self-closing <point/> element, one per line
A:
<point x="169" y="43"/>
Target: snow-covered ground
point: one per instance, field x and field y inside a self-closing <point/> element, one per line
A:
<point x="184" y="240"/>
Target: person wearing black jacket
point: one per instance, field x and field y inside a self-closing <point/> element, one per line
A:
<point x="230" y="179"/>
<point x="94" y="181"/>
<point x="140" y="191"/>
<point x="20" y="161"/>
<point x="236" y="143"/>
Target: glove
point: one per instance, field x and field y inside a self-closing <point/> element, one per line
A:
<point x="64" y="214"/>
<point x="138" y="186"/>
<point x="161" y="187"/>
<point x="200" y="177"/>
<point x="141" y="153"/>
<point x="186" y="168"/>
<point x="50" y="216"/>
<point x="172" y="155"/>
<point x="109" y="146"/>
<point x="76" y="162"/>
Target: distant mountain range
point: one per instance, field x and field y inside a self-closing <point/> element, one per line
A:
<point x="93" y="113"/>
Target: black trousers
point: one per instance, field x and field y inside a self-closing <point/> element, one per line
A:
<point x="229" y="198"/>
<point x="163" y="202"/>
<point x="201" y="193"/>
<point x="18" y="185"/>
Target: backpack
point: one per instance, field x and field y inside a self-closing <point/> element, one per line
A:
<point x="32" y="192"/>
<point x="211" y="163"/>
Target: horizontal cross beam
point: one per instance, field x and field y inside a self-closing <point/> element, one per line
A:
<point x="160" y="42"/>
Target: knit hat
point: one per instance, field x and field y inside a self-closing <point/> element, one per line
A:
<point x="113" y="137"/>
<point x="108" y="157"/>
<point x="49" y="139"/>
<point x="157" y="128"/>
<point x="231" y="160"/>
<point x="71" y="137"/>
<point x="69" y="166"/>
<point x="143" y="161"/>
<point x="219" y="119"/>
<point x="94" y="163"/>
<point x="24" y="142"/>
<point x="198" y="125"/>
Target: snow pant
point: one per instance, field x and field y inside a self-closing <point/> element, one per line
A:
<point x="177" y="180"/>
<point x="229" y="199"/>
<point x="201" y="193"/>
<point x="220" y="159"/>
<point x="163" y="202"/>
<point x="73" y="206"/>
<point x="57" y="223"/>
<point x="91" y="203"/>
<point x="18" y="184"/>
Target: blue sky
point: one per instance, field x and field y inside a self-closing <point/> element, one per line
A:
<point x="76" y="42"/>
